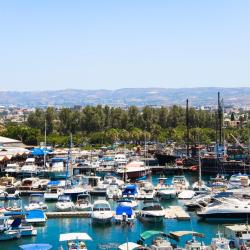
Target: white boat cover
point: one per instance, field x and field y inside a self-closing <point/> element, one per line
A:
<point x="128" y="246"/>
<point x="74" y="236"/>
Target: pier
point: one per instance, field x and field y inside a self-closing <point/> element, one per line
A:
<point x="71" y="214"/>
<point x="176" y="212"/>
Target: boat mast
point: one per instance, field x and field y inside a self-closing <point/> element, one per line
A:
<point x="187" y="126"/>
<point x="45" y="143"/>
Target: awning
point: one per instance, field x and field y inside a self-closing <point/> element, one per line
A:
<point x="178" y="234"/>
<point x="129" y="246"/>
<point x="148" y="234"/>
<point x="74" y="236"/>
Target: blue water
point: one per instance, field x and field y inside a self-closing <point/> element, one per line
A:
<point x="104" y="235"/>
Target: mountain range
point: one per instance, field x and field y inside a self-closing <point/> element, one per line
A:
<point x="126" y="97"/>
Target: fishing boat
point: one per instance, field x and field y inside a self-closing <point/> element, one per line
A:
<point x="83" y="203"/>
<point x="101" y="212"/>
<point x="152" y="212"/>
<point x="113" y="191"/>
<point x="36" y="202"/>
<point x="124" y="214"/>
<point x="75" y="241"/>
<point x="64" y="203"/>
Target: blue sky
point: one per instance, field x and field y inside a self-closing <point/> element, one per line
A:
<point x="104" y="44"/>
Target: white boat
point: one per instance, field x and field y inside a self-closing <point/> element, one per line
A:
<point x="120" y="160"/>
<point x="226" y="208"/>
<point x="146" y="191"/>
<point x="75" y="241"/>
<point x="160" y="243"/>
<point x="54" y="189"/>
<point x="110" y="179"/>
<point x="129" y="246"/>
<point x="186" y="194"/>
<point x="29" y="168"/>
<point x="200" y="187"/>
<point x="113" y="191"/>
<point x="180" y="183"/>
<point x="74" y="191"/>
<point x="220" y="243"/>
<point x="198" y="201"/>
<point x="12" y="169"/>
<point x="164" y="190"/>
<point x="239" y="180"/>
<point x="64" y="203"/>
<point x="152" y="212"/>
<point x="83" y="203"/>
<point x="29" y="183"/>
<point x="195" y="244"/>
<point x="36" y="202"/>
<point x="101" y="212"/>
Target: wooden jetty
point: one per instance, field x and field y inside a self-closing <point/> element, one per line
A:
<point x="176" y="212"/>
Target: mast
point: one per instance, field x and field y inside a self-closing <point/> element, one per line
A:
<point x="187" y="126"/>
<point x="45" y="143"/>
<point x="220" y="119"/>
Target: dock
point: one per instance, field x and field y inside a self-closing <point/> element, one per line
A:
<point x="176" y="212"/>
<point x="71" y="214"/>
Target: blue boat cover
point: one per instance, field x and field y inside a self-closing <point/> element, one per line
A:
<point x="33" y="214"/>
<point x="36" y="246"/>
<point x="130" y="190"/>
<point x="15" y="213"/>
<point x="223" y="194"/>
<point x="59" y="159"/>
<point x="124" y="209"/>
<point x="143" y="178"/>
<point x="40" y="151"/>
<point x="16" y="223"/>
<point x="53" y="183"/>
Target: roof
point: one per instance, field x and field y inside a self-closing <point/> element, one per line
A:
<point x="74" y="236"/>
<point x="128" y="246"/>
<point x="177" y="234"/>
<point x="8" y="140"/>
<point x="148" y="234"/>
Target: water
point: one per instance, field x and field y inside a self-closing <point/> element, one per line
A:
<point x="103" y="235"/>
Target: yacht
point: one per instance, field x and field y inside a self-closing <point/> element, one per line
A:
<point x="164" y="190"/>
<point x="239" y="180"/>
<point x="128" y="202"/>
<point x="120" y="160"/>
<point x="200" y="187"/>
<point x="101" y="212"/>
<point x="74" y="190"/>
<point x="220" y="243"/>
<point x="12" y="169"/>
<point x="133" y="170"/>
<point x="58" y="168"/>
<point x="180" y="183"/>
<point x="29" y="184"/>
<point x="113" y="191"/>
<point x="36" y="202"/>
<point x="29" y="168"/>
<point x="64" y="203"/>
<point x="83" y="203"/>
<point x="152" y="212"/>
<point x="54" y="189"/>
<point x="226" y="208"/>
<point x="146" y="191"/>
<point x="198" y="201"/>
<point x="124" y="214"/>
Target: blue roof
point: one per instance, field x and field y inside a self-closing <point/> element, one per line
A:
<point x="36" y="246"/>
<point x="124" y="209"/>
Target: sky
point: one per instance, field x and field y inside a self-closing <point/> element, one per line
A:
<point x="105" y="44"/>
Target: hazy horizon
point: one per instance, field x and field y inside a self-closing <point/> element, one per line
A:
<point x="51" y="45"/>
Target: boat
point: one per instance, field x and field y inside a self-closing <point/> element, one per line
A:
<point x="129" y="246"/>
<point x="36" y="217"/>
<point x="36" y="202"/>
<point x="146" y="191"/>
<point x="164" y="190"/>
<point x="133" y="170"/>
<point x="220" y="243"/>
<point x="239" y="180"/>
<point x="129" y="191"/>
<point x="110" y="179"/>
<point x="83" y="203"/>
<point x="13" y="205"/>
<point x="58" y="168"/>
<point x="152" y="212"/>
<point x="195" y="244"/>
<point x="226" y="208"/>
<point x="101" y="212"/>
<point x="25" y="230"/>
<point x="200" y="187"/>
<point x="113" y="191"/>
<point x="180" y="183"/>
<point x="54" y="189"/>
<point x="159" y="242"/>
<point x="9" y="184"/>
<point x="124" y="214"/>
<point x="9" y="196"/>
<point x="29" y="184"/>
<point x="186" y="194"/>
<point x="64" y="203"/>
<point x="74" y="190"/>
<point x="128" y="202"/>
<point x="29" y="168"/>
<point x="12" y="169"/>
<point x="198" y="201"/>
<point x="5" y="232"/>
<point x="75" y="241"/>
<point x="120" y="160"/>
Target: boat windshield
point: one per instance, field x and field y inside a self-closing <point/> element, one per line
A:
<point x="36" y="198"/>
<point x="101" y="207"/>
<point x="64" y="198"/>
<point x="152" y="207"/>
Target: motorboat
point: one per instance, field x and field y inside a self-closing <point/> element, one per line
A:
<point x="120" y="160"/>
<point x="152" y="212"/>
<point x="83" y="203"/>
<point x="129" y="191"/>
<point x="9" y="184"/>
<point x="226" y="208"/>
<point x="29" y="168"/>
<point x="74" y="190"/>
<point x="220" y="243"/>
<point x="36" y="202"/>
<point x="36" y="217"/>
<point x="198" y="201"/>
<point x="54" y="189"/>
<point x="239" y="180"/>
<point x="101" y="212"/>
<point x="180" y="183"/>
<point x="146" y="191"/>
<point x="124" y="214"/>
<point x="195" y="244"/>
<point x="113" y="191"/>
<point x="75" y="241"/>
<point x="186" y="194"/>
<point x="133" y="170"/>
<point x="110" y="179"/>
<point x="200" y="187"/>
<point x="29" y="184"/>
<point x="9" y="196"/>
<point x="64" y="203"/>
<point x="12" y="169"/>
<point x="5" y="232"/>
<point x="164" y="190"/>
<point x="129" y="245"/>
<point x="58" y="168"/>
<point x="13" y="205"/>
<point x="128" y="202"/>
<point x="100" y="189"/>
